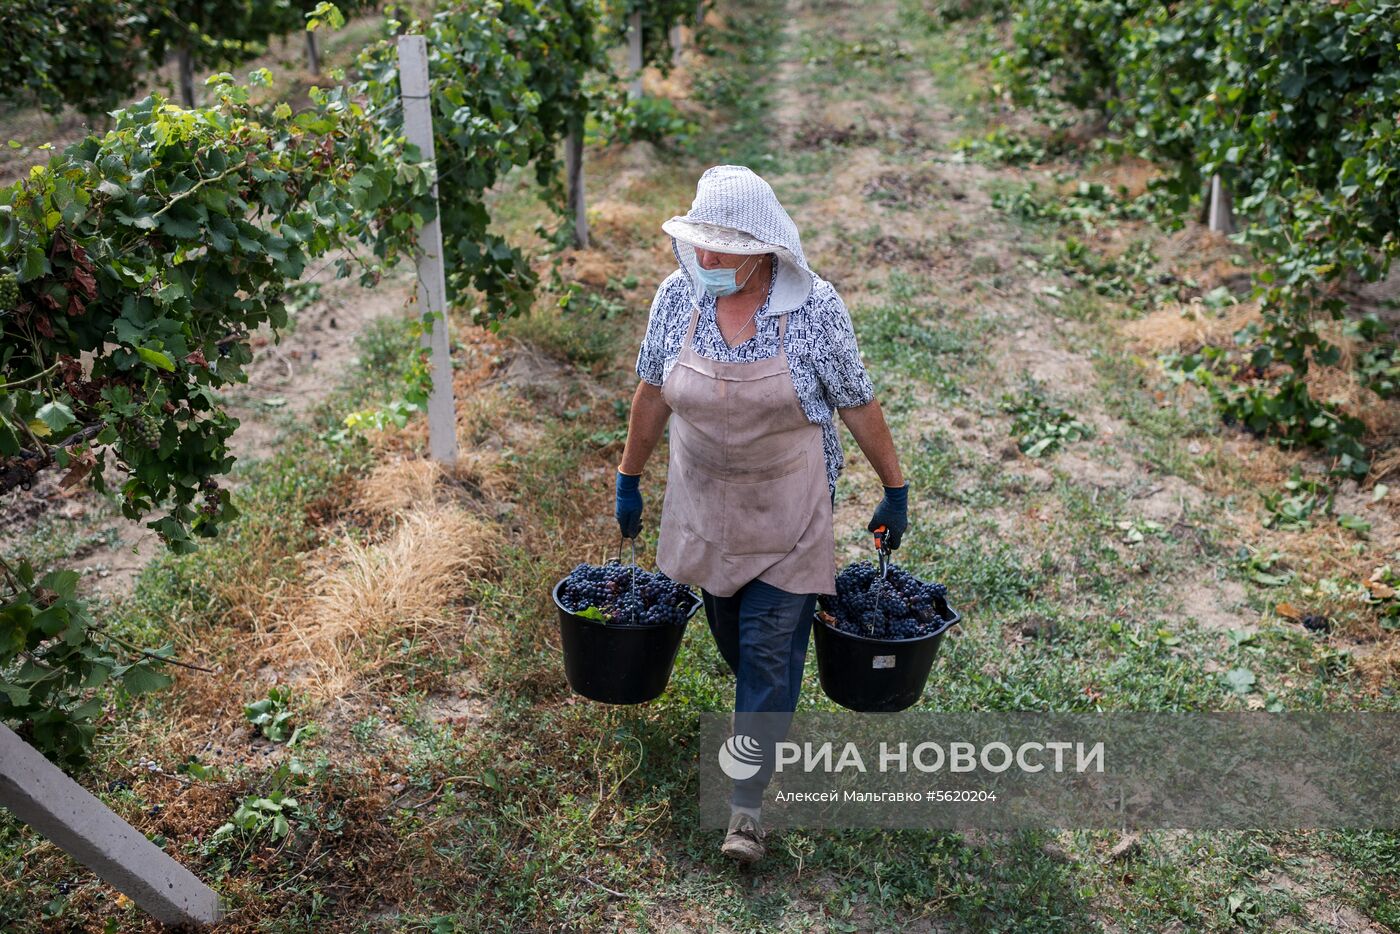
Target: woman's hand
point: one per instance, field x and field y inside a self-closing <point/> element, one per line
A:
<point x="893" y="514"/>
<point x="629" y="504"/>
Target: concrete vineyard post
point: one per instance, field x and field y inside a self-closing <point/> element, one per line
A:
<point x="634" y="54"/>
<point x="186" y="67"/>
<point x="432" y="282"/>
<point x="1222" y="218"/>
<point x="676" y="43"/>
<point x="313" y="55"/>
<point x="37" y="792"/>
<point x="573" y="166"/>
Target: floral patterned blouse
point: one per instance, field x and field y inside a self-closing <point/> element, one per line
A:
<point x="823" y="358"/>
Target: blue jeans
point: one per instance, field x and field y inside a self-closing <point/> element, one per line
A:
<point x="762" y="631"/>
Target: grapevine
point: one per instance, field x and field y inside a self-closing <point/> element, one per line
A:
<point x="658" y="16"/>
<point x="93" y="54"/>
<point x="1292" y="105"/>
<point x="126" y="309"/>
<point x="518" y="68"/>
<point x="136" y="264"/>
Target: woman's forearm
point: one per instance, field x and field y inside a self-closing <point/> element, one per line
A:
<point x="867" y="424"/>
<point x="644" y="426"/>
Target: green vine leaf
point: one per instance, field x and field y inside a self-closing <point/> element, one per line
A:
<point x="55" y="415"/>
<point x="156" y="359"/>
<point x="142" y="679"/>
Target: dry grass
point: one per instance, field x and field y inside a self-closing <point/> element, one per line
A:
<point x="1339" y="384"/>
<point x="1383" y="466"/>
<point x="252" y="593"/>
<point x="356" y="598"/>
<point x="611" y="223"/>
<point x="1201" y="253"/>
<point x="595" y="267"/>
<point x="397" y="486"/>
<point x="1183" y="326"/>
<point x="1246" y="467"/>
<point x="1381" y="667"/>
<point x="485" y="470"/>
<point x="1129" y="171"/>
<point x="483" y="409"/>
<point x="675" y="86"/>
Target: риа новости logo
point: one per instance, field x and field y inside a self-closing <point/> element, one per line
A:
<point x="740" y="757"/>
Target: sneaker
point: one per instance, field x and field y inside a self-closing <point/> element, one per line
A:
<point x="744" y="841"/>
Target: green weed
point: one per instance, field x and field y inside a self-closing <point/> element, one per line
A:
<point x="1039" y="427"/>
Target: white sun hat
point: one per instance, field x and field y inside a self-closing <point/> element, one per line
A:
<point x="716" y="237"/>
<point x="737" y="212"/>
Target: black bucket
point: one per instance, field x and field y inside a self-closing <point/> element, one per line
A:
<point x="617" y="663"/>
<point x="877" y="675"/>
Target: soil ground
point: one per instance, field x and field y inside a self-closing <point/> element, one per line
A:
<point x="449" y="780"/>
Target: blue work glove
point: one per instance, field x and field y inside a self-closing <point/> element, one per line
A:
<point x="629" y="504"/>
<point x="893" y="514"/>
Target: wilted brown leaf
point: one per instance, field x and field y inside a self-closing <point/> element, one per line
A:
<point x="1380" y="591"/>
<point x="78" y="468"/>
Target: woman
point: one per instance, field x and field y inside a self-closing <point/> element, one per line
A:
<point x="752" y="353"/>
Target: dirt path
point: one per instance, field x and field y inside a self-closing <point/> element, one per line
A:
<point x="892" y="196"/>
<point x="907" y="229"/>
<point x="936" y="222"/>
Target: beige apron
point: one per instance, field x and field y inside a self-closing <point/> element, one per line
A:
<point x="746" y="491"/>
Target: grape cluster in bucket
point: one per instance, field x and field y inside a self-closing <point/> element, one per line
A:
<point x="626" y="595"/>
<point x="898" y="607"/>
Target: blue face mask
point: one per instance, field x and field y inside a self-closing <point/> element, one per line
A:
<point x="721" y="281"/>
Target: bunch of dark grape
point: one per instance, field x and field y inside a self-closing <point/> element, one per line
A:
<point x="626" y="594"/>
<point x="211" y="506"/>
<point x="899" y="607"/>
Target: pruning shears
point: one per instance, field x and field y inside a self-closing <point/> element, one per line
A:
<point x="883" y="549"/>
